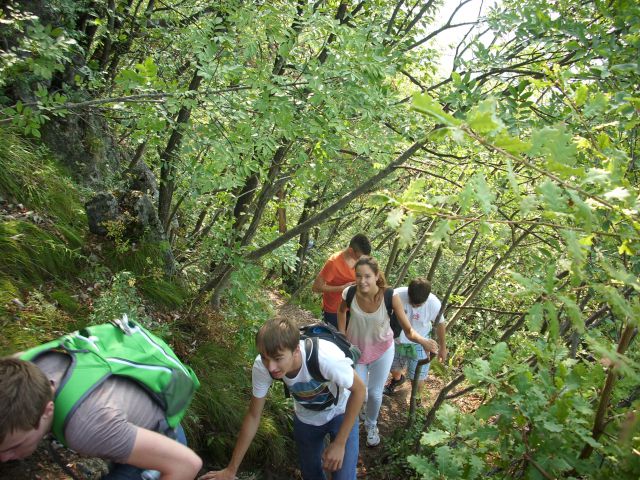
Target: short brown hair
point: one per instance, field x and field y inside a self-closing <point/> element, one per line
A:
<point x="360" y="243"/>
<point x="419" y="290"/>
<point x="25" y="391"/>
<point x="277" y="334"/>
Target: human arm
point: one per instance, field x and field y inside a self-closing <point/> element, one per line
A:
<point x="154" y="451"/>
<point x="248" y="431"/>
<point x="428" y="344"/>
<point x="320" y="285"/>
<point x="334" y="454"/>
<point x="441" y="330"/>
<point x="342" y="317"/>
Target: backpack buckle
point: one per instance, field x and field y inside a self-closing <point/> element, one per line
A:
<point x="123" y="324"/>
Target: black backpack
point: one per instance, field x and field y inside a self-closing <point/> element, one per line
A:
<point x="388" y="302"/>
<point x="310" y="334"/>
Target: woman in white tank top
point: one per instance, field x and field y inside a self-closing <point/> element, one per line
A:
<point x="370" y="330"/>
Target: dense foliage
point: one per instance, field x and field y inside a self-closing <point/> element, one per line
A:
<point x="278" y="129"/>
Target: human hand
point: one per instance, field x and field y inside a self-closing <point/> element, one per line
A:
<point x="333" y="456"/>
<point x="430" y="345"/>
<point x="225" y="474"/>
<point x="442" y="354"/>
<point x="347" y="285"/>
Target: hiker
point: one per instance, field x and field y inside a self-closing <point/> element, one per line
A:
<point x="337" y="274"/>
<point x="283" y="357"/>
<point x="422" y="308"/>
<point x="62" y="387"/>
<point x="370" y="330"/>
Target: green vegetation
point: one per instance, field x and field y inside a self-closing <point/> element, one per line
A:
<point x="276" y="131"/>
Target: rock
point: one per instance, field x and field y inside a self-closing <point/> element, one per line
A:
<point x="143" y="180"/>
<point x="101" y="208"/>
<point x="147" y="218"/>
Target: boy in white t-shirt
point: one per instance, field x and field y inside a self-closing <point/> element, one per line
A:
<point x="422" y="308"/>
<point x="321" y="408"/>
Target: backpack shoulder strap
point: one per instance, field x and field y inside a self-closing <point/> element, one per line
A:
<point x="388" y="301"/>
<point x="351" y="292"/>
<point x="311" y="358"/>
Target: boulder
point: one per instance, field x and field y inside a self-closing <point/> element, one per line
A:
<point x="100" y="209"/>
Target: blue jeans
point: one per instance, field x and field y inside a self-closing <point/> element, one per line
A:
<point x="310" y="442"/>
<point x="331" y="318"/>
<point x="122" y="471"/>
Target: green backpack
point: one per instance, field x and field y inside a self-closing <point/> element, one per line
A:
<point x="122" y="348"/>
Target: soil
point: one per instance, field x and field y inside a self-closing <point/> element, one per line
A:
<point x="43" y="464"/>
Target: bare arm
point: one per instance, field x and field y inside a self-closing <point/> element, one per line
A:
<point x="321" y="286"/>
<point x="441" y="331"/>
<point x="342" y="317"/>
<point x="428" y="344"/>
<point x="174" y="461"/>
<point x="248" y="431"/>
<point x="334" y="454"/>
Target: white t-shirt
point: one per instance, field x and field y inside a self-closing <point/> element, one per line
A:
<point x="421" y="318"/>
<point x="334" y="366"/>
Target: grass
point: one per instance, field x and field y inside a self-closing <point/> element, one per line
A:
<point x="32" y="255"/>
<point x="218" y="409"/>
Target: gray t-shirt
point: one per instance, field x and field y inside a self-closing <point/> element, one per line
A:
<point x="105" y="424"/>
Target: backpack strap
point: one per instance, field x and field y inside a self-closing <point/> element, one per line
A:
<point x="313" y="364"/>
<point x="351" y="292"/>
<point x="388" y="301"/>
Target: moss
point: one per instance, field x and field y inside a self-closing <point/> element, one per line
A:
<point x="31" y="255"/>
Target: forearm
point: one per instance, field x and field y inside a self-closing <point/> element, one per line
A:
<point x="342" y="322"/>
<point x="441" y="331"/>
<point x="356" y="399"/>
<point x="248" y="432"/>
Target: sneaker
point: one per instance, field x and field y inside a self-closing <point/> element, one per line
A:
<point x="390" y="388"/>
<point x="373" y="438"/>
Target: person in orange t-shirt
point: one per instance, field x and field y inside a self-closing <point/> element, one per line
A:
<point x="338" y="274"/>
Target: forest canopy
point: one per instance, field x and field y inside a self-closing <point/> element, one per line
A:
<point x="276" y="130"/>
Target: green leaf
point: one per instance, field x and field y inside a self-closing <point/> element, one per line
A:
<point x="394" y="218"/>
<point x="500" y="355"/>
<point x="552" y="426"/>
<point x="555" y="144"/>
<point x="535" y="317"/>
<point x="483" y="118"/>
<point x="434" y="437"/>
<point x="407" y="231"/>
<point x="448" y="463"/>
<point x="511" y="144"/>
<point x="423" y="103"/>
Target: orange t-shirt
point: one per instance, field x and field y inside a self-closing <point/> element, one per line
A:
<point x="335" y="272"/>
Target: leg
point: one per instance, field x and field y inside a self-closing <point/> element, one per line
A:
<point x="331" y="318"/>
<point x="411" y="370"/>
<point x="122" y="471"/>
<point x="350" y="461"/>
<point x="397" y="366"/>
<point x="310" y="442"/>
<point x="378" y="372"/>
